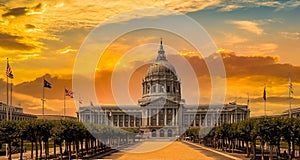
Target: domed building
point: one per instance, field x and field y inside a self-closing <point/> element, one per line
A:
<point x="161" y="98"/>
<point x="161" y="80"/>
<point x="161" y="111"/>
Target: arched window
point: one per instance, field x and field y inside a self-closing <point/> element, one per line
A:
<point x="169" y="133"/>
<point x="153" y="133"/>
<point x="161" y="133"/>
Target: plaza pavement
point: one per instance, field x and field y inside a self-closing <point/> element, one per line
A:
<point x="168" y="151"/>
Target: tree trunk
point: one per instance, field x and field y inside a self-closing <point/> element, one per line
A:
<point x="81" y="147"/>
<point x="31" y="154"/>
<point x="253" y="146"/>
<point x="262" y="144"/>
<point x="293" y="149"/>
<point x="54" y="148"/>
<point x="299" y="151"/>
<point x="233" y="145"/>
<point x="60" y="150"/>
<point x="9" y="151"/>
<point x="36" y="150"/>
<point x="222" y="144"/>
<point x="86" y="147"/>
<point x="41" y="148"/>
<point x="46" y="150"/>
<point x="77" y="148"/>
<point x="247" y="149"/>
<point x="278" y="149"/>
<point x="271" y="152"/>
<point x="289" y="149"/>
<point x="73" y="144"/>
<point x="70" y="150"/>
<point x="21" y="153"/>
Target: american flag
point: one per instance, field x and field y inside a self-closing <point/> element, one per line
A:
<point x="9" y="73"/>
<point x="69" y="93"/>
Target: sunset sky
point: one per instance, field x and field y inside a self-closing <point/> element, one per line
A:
<point x="258" y="40"/>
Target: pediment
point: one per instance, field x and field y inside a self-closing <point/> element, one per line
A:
<point x="86" y="110"/>
<point x="238" y="109"/>
<point x="161" y="101"/>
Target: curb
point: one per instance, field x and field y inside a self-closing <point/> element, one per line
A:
<point x="221" y="153"/>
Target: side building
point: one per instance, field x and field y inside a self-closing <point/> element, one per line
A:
<point x="14" y="113"/>
<point x="161" y="111"/>
<point x="295" y="112"/>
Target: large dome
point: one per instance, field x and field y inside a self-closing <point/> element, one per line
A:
<point x="160" y="80"/>
<point x="161" y="68"/>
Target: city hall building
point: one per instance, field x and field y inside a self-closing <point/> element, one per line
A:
<point x="161" y="111"/>
<point x="14" y="113"/>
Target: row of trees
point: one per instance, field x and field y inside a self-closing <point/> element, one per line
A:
<point x="78" y="139"/>
<point x="245" y="134"/>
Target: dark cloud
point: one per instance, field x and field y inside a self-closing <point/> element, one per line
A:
<point x="258" y="65"/>
<point x="20" y="11"/>
<point x="29" y="26"/>
<point x="11" y="42"/>
<point x="278" y="100"/>
<point x="236" y="65"/>
<point x="34" y="88"/>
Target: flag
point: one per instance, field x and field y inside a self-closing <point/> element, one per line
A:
<point x="92" y="104"/>
<point x="9" y="73"/>
<point x="248" y="101"/>
<point x="47" y="84"/>
<point x="291" y="90"/>
<point x="265" y="94"/>
<point x="69" y="93"/>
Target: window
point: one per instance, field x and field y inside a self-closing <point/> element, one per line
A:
<point x="168" y="89"/>
<point x="148" y="88"/>
<point x="153" y="88"/>
<point x="161" y="89"/>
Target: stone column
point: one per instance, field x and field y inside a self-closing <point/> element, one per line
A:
<point x="134" y="120"/>
<point x="165" y="116"/>
<point x="129" y="118"/>
<point x="124" y="120"/>
<point x="194" y="124"/>
<point x="118" y="121"/>
<point x="173" y="118"/>
<point x="149" y="117"/>
<point x="157" y="117"/>
<point x="111" y="120"/>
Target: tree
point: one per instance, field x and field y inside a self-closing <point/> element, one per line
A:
<point x="22" y="130"/>
<point x="8" y="132"/>
<point x="275" y="134"/>
<point x="289" y="132"/>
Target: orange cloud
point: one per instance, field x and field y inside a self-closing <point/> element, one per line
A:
<point x="249" y="26"/>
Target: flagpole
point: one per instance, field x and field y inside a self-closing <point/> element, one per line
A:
<point x="43" y="99"/>
<point x="265" y="100"/>
<point x="64" y="104"/>
<point x="11" y="109"/>
<point x="290" y="98"/>
<point x="7" y="117"/>
<point x="265" y="108"/>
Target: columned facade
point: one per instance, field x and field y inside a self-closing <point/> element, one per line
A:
<point x="161" y="111"/>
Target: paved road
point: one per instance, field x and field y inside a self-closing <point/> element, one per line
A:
<point x="167" y="151"/>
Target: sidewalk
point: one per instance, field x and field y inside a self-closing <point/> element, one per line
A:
<point x="26" y="155"/>
<point x="235" y="156"/>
